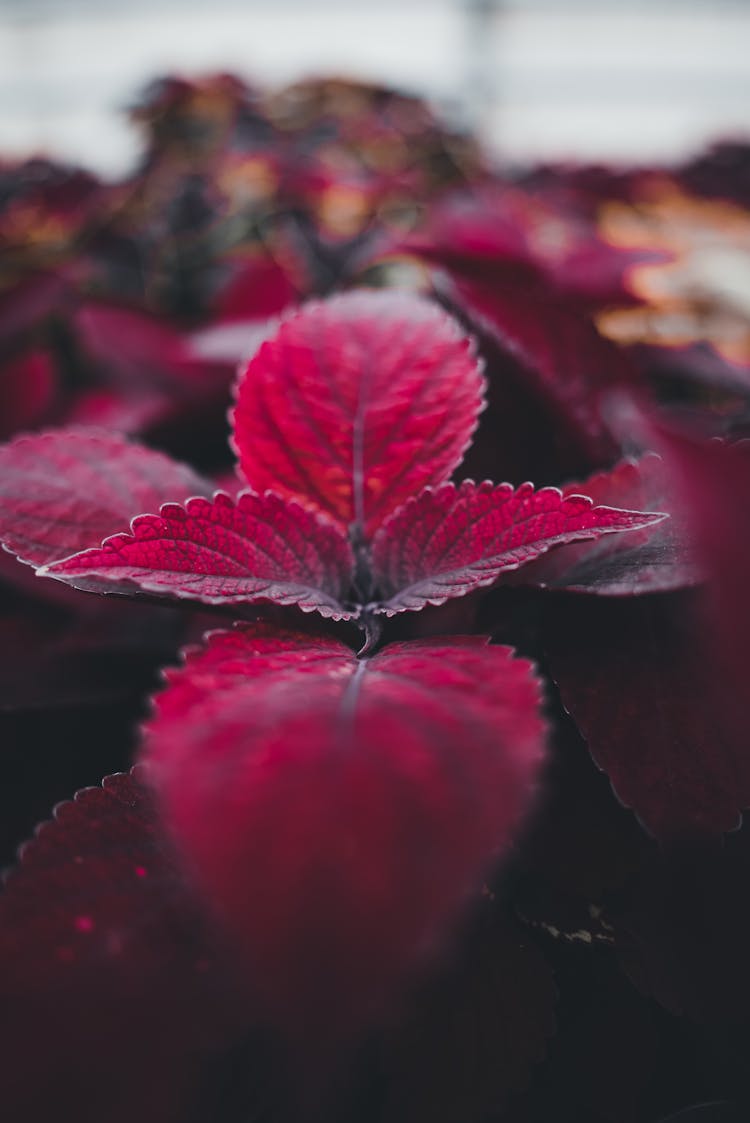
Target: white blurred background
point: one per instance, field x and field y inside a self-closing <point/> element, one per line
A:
<point x="590" y="79"/>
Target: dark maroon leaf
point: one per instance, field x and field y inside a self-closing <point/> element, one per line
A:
<point x="582" y="844"/>
<point x="28" y="388"/>
<point x="337" y="812"/>
<point x="114" y="999"/>
<point x="561" y="352"/>
<point x="636" y="676"/>
<point x="87" y="653"/>
<point x="134" y="344"/>
<point x="66" y="489"/>
<point x="712" y="482"/>
<point x="146" y="357"/>
<point x="223" y="551"/>
<point x="447" y="542"/>
<point x="33" y="299"/>
<point x="357" y="403"/>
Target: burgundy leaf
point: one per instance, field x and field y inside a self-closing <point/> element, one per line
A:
<point x="93" y="652"/>
<point x="446" y="542"/>
<point x="145" y="356"/>
<point x="658" y="558"/>
<point x="564" y="357"/>
<point x="30" y="301"/>
<point x="583" y="844"/>
<point x="66" y="489"/>
<point x="223" y="552"/>
<point x="637" y="678"/>
<point x="28" y="387"/>
<point x="338" y="812"/>
<point x="713" y="482"/>
<point x="357" y="403"/>
<point x="113" y="997"/>
<point x="132" y="343"/>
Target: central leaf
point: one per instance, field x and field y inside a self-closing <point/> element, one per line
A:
<point x="358" y="403"/>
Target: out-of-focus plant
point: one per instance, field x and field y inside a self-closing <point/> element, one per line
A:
<point x="466" y="745"/>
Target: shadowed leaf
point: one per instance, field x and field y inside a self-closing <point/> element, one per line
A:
<point x="658" y="558"/>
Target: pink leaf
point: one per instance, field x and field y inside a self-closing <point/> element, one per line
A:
<point x="338" y="812"/>
<point x="66" y="489"/>
<point x="445" y="543"/>
<point x="357" y="403"/>
<point x="223" y="552"/>
<point x="658" y="558"/>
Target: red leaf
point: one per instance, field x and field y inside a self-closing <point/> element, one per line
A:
<point x="66" y="489"/>
<point x="445" y="543"/>
<point x="337" y="812"/>
<point x="223" y="552"/>
<point x="357" y="403"/>
<point x="658" y="558"/>
<point x="258" y="288"/>
<point x="106" y="968"/>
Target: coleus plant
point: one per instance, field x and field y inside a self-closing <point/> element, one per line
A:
<point x="334" y="809"/>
